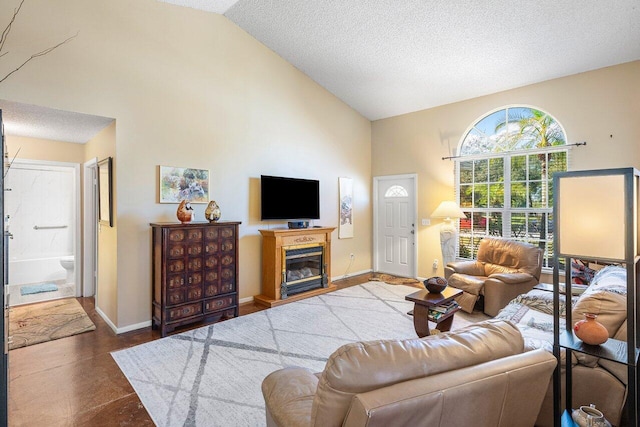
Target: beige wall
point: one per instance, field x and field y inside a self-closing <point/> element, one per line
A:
<point x="44" y="149"/>
<point x="189" y="88"/>
<point x="600" y="107"/>
<point x="100" y="147"/>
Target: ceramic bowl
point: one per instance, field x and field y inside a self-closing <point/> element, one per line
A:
<point x="436" y="284"/>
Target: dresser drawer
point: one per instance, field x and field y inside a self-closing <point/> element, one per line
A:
<point x="228" y="246"/>
<point x="194" y="234"/>
<point x="175" y="266"/>
<point x="211" y="261"/>
<point x="175" y="296"/>
<point x="194" y="278"/>
<point x="218" y="303"/>
<point x="194" y="264"/>
<point x="194" y="249"/>
<point x="227" y="232"/>
<point x="176" y="250"/>
<point x="211" y="289"/>
<point x="211" y="247"/>
<point x="227" y="287"/>
<point x="184" y="311"/>
<point x="177" y="235"/>
<point x="194" y="293"/>
<point x="228" y="273"/>
<point x="175" y="281"/>
<point x="211" y="234"/>
<point x="210" y="276"/>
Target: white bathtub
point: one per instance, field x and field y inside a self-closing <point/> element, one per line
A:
<point x="27" y="271"/>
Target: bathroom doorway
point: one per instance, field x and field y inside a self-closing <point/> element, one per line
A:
<point x="42" y="215"/>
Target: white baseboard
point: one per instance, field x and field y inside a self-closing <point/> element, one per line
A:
<point x="119" y="331"/>
<point x="107" y="320"/>
<point x="245" y="300"/>
<point x="355" y="273"/>
<point x="134" y="327"/>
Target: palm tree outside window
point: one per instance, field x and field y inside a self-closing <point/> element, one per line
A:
<point x="504" y="178"/>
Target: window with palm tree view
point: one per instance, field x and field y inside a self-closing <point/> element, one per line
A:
<point x="504" y="178"/>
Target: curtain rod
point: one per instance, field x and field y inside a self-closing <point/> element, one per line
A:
<point x="577" y="144"/>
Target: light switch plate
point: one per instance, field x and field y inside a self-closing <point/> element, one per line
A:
<point x="426" y="221"/>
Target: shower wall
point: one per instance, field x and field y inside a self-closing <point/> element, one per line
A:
<point x="41" y="209"/>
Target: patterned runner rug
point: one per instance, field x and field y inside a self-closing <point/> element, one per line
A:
<point x="211" y="376"/>
<point x="46" y="321"/>
<point x="396" y="280"/>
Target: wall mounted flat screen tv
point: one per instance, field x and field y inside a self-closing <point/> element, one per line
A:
<point x="289" y="198"/>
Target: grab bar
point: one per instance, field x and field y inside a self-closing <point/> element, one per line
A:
<point x="48" y="227"/>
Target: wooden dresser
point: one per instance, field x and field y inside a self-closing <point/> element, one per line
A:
<point x="195" y="273"/>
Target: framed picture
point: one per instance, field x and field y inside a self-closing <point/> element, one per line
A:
<point x="345" y="227"/>
<point x="178" y="184"/>
<point x="105" y="191"/>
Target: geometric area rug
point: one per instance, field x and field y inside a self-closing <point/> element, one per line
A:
<point x="211" y="376"/>
<point x="45" y="321"/>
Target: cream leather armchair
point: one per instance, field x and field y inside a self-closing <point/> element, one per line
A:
<point x="503" y="270"/>
<point x="476" y="375"/>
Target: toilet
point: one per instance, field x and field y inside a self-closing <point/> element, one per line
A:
<point x="68" y="263"/>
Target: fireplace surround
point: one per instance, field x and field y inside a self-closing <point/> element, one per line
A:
<point x="296" y="264"/>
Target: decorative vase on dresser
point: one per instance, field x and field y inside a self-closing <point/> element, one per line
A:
<point x="195" y="273"/>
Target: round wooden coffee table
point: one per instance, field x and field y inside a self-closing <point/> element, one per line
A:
<point x="423" y="301"/>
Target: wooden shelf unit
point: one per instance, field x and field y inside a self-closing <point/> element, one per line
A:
<point x="273" y="243"/>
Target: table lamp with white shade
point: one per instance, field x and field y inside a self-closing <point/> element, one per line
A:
<point x="448" y="233"/>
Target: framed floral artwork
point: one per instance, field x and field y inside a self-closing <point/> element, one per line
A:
<point x="178" y="184"/>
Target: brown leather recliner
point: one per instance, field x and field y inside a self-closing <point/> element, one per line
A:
<point x="478" y="375"/>
<point x="503" y="270"/>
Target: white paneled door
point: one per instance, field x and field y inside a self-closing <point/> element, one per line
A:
<point x="394" y="225"/>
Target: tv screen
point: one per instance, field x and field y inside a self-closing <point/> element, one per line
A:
<point x="289" y="198"/>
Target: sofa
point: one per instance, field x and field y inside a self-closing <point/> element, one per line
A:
<point x="480" y="375"/>
<point x="503" y="270"/>
<point x="598" y="381"/>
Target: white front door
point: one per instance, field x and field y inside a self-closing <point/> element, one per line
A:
<point x="394" y="225"/>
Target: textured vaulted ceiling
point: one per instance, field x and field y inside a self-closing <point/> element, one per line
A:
<point x="39" y="122"/>
<point x="389" y="57"/>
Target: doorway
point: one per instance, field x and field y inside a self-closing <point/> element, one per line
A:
<point x="90" y="229"/>
<point x="394" y="220"/>
<point x="42" y="215"/>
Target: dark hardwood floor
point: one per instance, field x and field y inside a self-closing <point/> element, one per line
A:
<point x="74" y="381"/>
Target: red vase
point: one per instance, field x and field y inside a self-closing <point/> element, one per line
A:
<point x="590" y="331"/>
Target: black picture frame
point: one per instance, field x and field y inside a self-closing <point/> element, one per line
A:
<point x="105" y="191"/>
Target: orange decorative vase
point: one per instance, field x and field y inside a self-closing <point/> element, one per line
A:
<point x="184" y="212"/>
<point x="590" y="331"/>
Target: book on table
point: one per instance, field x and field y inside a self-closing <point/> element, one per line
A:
<point x="442" y="310"/>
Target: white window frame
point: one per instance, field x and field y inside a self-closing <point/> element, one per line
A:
<point x="506" y="210"/>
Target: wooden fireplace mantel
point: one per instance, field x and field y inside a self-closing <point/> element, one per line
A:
<point x="273" y="241"/>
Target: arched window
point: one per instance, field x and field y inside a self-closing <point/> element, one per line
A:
<point x="396" y="191"/>
<point x="504" y="178"/>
